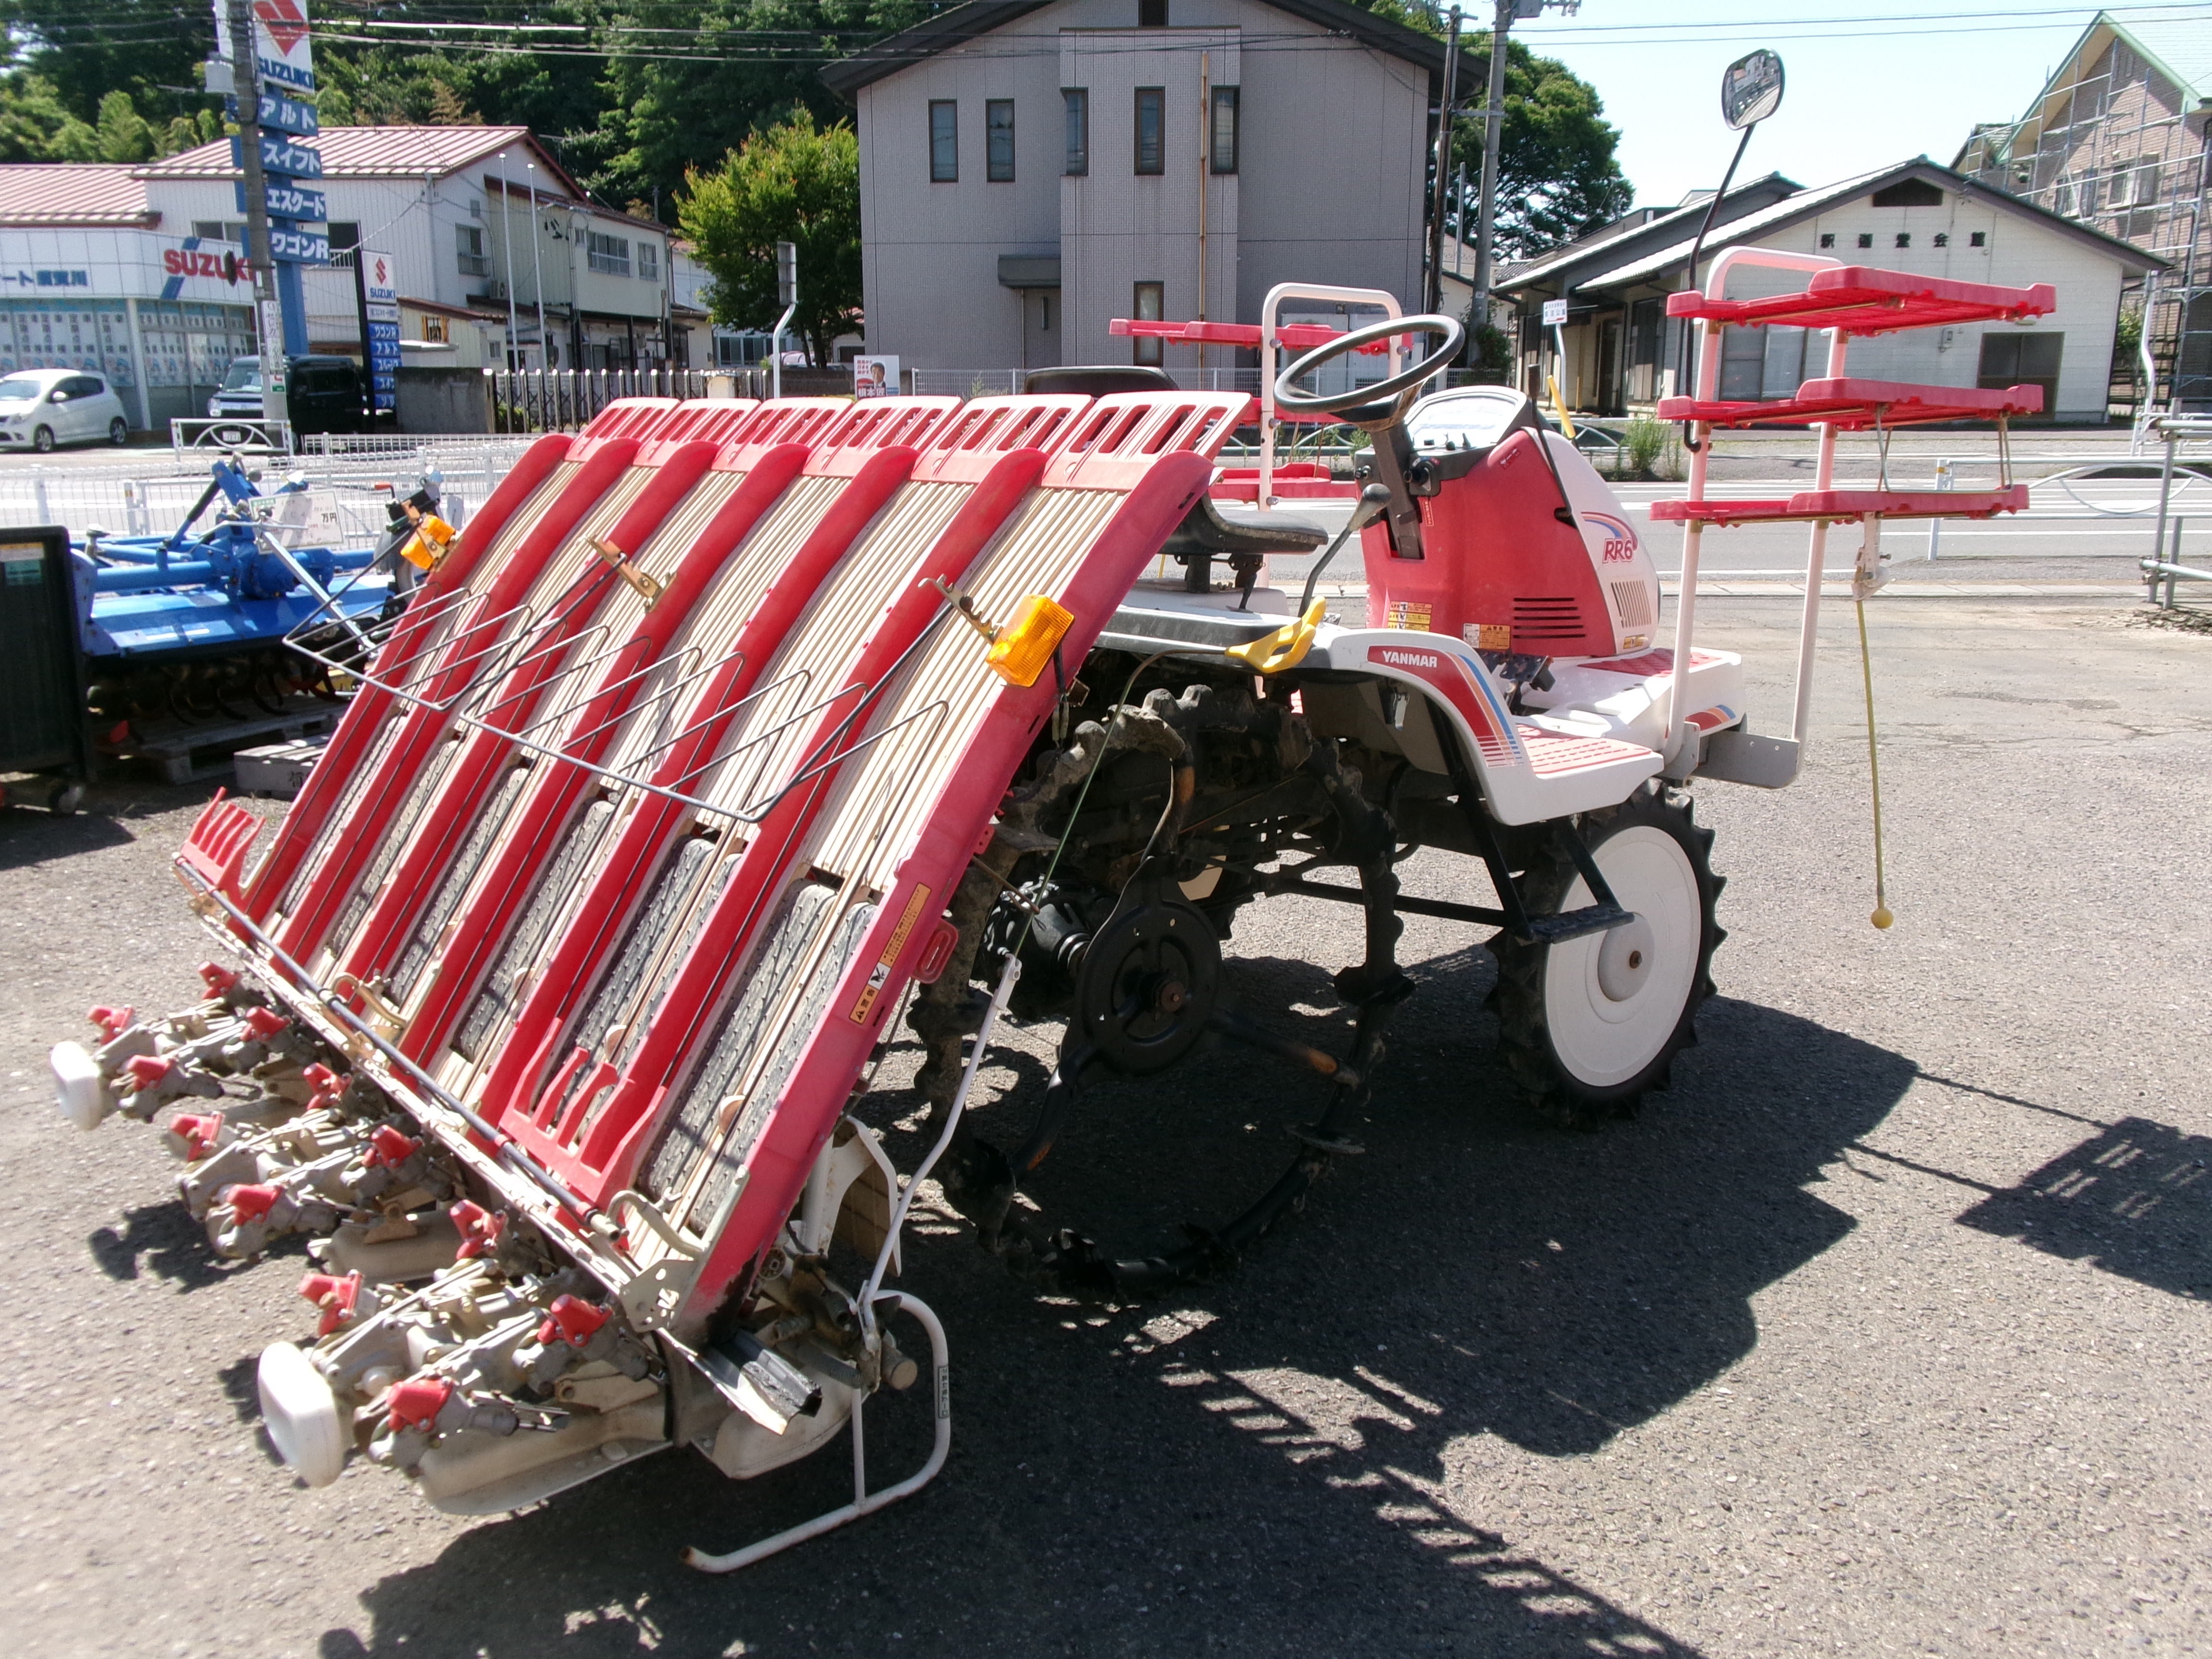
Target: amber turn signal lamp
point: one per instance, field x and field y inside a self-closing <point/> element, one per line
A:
<point x="1022" y="648"/>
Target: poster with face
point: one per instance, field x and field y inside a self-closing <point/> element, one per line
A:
<point x="875" y="377"/>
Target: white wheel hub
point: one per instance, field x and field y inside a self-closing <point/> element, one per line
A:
<point x="1612" y="999"/>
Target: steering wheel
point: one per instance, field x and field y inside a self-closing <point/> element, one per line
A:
<point x="1374" y="401"/>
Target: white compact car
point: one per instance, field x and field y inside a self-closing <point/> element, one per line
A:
<point x="42" y="409"/>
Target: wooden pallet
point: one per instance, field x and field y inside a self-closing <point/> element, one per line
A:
<point x="178" y="753"/>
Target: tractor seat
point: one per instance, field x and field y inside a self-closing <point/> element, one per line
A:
<point x="1098" y="381"/>
<point x="1205" y="535"/>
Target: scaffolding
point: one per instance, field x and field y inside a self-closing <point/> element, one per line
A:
<point x="2110" y="142"/>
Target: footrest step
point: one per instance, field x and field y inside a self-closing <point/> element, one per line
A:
<point x="1575" y="924"/>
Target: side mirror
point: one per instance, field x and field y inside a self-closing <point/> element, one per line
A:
<point x="1751" y="89"/>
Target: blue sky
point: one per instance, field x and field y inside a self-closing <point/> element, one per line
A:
<point x="1869" y="82"/>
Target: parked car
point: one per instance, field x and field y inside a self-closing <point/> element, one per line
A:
<point x="322" y="394"/>
<point x="42" y="409"/>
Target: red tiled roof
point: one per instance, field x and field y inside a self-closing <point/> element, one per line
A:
<point x="378" y="153"/>
<point x="74" y="193"/>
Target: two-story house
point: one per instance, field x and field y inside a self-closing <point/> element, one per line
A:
<point x="1032" y="169"/>
<point x="478" y="218"/>
<point x="2120" y="139"/>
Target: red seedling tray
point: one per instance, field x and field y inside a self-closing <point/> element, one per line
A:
<point x="1860" y="300"/>
<point x="1852" y="406"/>
<point x="1848" y="506"/>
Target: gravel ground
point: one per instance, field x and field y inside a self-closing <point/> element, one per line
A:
<point x="1883" y="1331"/>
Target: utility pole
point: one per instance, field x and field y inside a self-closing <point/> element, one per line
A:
<point x="245" y="77"/>
<point x="537" y="268"/>
<point x="506" y="264"/>
<point x="1435" y="287"/>
<point x="1493" y="121"/>
<point x="786" y="290"/>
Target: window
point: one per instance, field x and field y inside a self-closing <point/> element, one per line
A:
<point x="220" y="230"/>
<point x="1221" y="144"/>
<point x="475" y="207"/>
<point x="1646" y="330"/>
<point x="1078" y="101"/>
<point x="1828" y="239"/>
<point x="470" y="246"/>
<point x="1152" y="130"/>
<point x="999" y="140"/>
<point x="1910" y="192"/>
<point x="1977" y="239"/>
<point x="1152" y="14"/>
<point x="943" y="141"/>
<point x="649" y="261"/>
<point x="1905" y="239"/>
<point x="2022" y="359"/>
<point x="1866" y="239"/>
<point x="608" y="255"/>
<point x="1942" y="238"/>
<point x="433" y="329"/>
<point x="1151" y="306"/>
<point x="345" y="234"/>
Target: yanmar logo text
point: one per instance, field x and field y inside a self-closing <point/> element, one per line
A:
<point x="1406" y="658"/>
<point x="192" y="261"/>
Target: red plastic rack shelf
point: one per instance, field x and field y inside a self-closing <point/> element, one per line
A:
<point x="1294" y="481"/>
<point x="1862" y="300"/>
<point x="1848" y="506"/>
<point x="1853" y="405"/>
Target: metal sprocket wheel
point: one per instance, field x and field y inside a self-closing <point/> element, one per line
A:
<point x="1147" y="985"/>
<point x="1588" y="1025"/>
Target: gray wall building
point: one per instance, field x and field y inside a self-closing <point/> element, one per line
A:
<point x="1029" y="171"/>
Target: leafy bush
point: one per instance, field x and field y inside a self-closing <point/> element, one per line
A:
<point x="1651" y="449"/>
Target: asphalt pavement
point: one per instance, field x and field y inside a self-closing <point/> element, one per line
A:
<point x="1883" y="1331"/>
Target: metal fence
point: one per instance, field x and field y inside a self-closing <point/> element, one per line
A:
<point x="151" y="494"/>
<point x="562" y="399"/>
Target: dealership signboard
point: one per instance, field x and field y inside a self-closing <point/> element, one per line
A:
<point x="379" y="286"/>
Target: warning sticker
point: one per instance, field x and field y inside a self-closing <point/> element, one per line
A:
<point x="1405" y="613"/>
<point x="880" y="974"/>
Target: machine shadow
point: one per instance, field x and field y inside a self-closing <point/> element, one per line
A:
<point x="112" y="807"/>
<point x="1289" y="1459"/>
<point x="164" y="1238"/>
<point x="2133" y="1200"/>
<point x="31" y="836"/>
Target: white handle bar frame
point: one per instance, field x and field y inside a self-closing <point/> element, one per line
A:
<point x="1270" y="315"/>
<point x="1708" y="386"/>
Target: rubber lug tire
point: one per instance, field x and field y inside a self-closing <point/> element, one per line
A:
<point x="1518" y="997"/>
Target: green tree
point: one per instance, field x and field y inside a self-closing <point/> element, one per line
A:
<point x="31" y="116"/>
<point x="794" y="183"/>
<point x="668" y="111"/>
<point x="1558" y="174"/>
<point x="124" y="135"/>
<point x="85" y="53"/>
